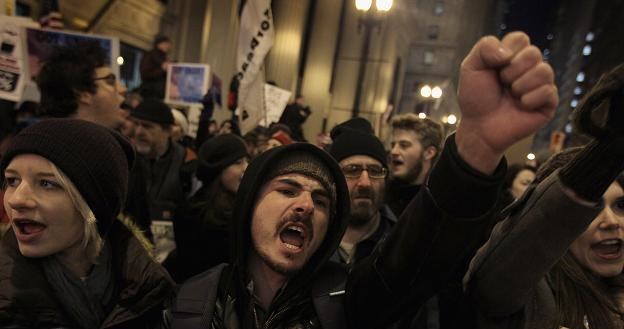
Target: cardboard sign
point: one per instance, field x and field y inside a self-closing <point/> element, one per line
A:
<point x="187" y="83"/>
<point x="13" y="65"/>
<point x="275" y="100"/>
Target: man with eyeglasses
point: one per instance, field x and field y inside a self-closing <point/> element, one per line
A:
<point x="76" y="82"/>
<point x="362" y="158"/>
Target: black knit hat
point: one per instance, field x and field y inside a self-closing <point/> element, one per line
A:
<point x="217" y="153"/>
<point x="304" y="163"/>
<point x="96" y="160"/>
<point x="153" y="110"/>
<point x="356" y="137"/>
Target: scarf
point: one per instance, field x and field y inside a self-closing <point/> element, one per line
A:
<point x="87" y="301"/>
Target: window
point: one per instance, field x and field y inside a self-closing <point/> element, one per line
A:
<point x="433" y="31"/>
<point x="438" y="8"/>
<point x="429" y="57"/>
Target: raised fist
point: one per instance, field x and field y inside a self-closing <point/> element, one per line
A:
<point x="506" y="93"/>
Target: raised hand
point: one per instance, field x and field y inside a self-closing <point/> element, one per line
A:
<point x="506" y="93"/>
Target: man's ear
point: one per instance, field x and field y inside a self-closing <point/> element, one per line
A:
<point x="84" y="97"/>
<point x="430" y="152"/>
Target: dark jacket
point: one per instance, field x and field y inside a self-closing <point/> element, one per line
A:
<point x="438" y="231"/>
<point x="153" y="77"/>
<point x="365" y="247"/>
<point x="507" y="279"/>
<point x="27" y="301"/>
<point x="167" y="180"/>
<point x="294" y="116"/>
<point x="201" y="228"/>
<point x="399" y="195"/>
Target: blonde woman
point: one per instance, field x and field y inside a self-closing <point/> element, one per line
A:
<point x="66" y="261"/>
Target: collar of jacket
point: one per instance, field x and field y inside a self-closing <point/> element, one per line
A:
<point x="26" y="298"/>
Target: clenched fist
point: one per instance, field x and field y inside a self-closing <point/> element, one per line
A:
<point x="506" y="93"/>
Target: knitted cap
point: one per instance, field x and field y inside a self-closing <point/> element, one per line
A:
<point x="96" y="160"/>
<point x="306" y="164"/>
<point x="217" y="154"/>
<point x="153" y="110"/>
<point x="356" y="137"/>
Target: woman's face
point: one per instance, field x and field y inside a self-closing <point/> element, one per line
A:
<point x="42" y="214"/>
<point x="523" y="179"/>
<point x="232" y="175"/>
<point x="599" y="248"/>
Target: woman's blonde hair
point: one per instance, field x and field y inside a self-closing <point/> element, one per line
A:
<point x="91" y="241"/>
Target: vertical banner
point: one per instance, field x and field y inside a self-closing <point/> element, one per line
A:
<point x="255" y="39"/>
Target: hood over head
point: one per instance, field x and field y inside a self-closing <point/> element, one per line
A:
<point x="261" y="170"/>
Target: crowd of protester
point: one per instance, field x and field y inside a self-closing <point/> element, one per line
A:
<point x="114" y="216"/>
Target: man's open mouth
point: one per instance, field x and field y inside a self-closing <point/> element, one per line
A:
<point x="293" y="237"/>
<point x="610" y="248"/>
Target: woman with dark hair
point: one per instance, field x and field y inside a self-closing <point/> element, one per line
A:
<point x="202" y="229"/>
<point x="67" y="262"/>
<point x="557" y="261"/>
<point x="517" y="180"/>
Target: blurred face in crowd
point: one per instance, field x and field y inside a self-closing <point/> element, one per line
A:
<point x="151" y="139"/>
<point x="407" y="155"/>
<point x="366" y="179"/>
<point x="164" y="46"/>
<point x="599" y="248"/>
<point x="289" y="222"/>
<point x="213" y="128"/>
<point x="42" y="214"/>
<point x="226" y="128"/>
<point x="523" y="179"/>
<point x="272" y="143"/>
<point x="103" y="106"/>
<point x="232" y="174"/>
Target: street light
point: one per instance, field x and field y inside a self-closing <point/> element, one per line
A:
<point x="363" y="5"/>
<point x="425" y="91"/>
<point x="436" y="92"/>
<point x="370" y="21"/>
<point x="383" y="5"/>
<point x="452" y="119"/>
<point x="422" y="115"/>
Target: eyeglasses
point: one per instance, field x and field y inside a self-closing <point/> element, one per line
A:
<point x="110" y="79"/>
<point x="355" y="171"/>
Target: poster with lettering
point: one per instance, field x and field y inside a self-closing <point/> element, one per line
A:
<point x="42" y="43"/>
<point x="13" y="68"/>
<point x="275" y="100"/>
<point x="187" y="83"/>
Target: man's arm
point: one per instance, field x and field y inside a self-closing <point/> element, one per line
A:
<point x="506" y="93"/>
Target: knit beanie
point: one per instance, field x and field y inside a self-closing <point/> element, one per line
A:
<point x="356" y="137"/>
<point x="218" y="153"/>
<point x="96" y="160"/>
<point x="306" y="164"/>
<point x="153" y="110"/>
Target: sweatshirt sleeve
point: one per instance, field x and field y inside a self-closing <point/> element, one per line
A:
<point x="523" y="248"/>
<point x="439" y="230"/>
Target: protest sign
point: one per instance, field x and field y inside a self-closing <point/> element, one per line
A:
<point x="187" y="83"/>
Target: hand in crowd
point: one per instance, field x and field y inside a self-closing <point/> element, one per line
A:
<point x="506" y="93"/>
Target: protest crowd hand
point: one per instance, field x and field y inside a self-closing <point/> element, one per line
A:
<point x="506" y="93"/>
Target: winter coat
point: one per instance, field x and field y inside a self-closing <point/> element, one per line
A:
<point x="399" y="195"/>
<point x="153" y="77"/>
<point x="294" y="116"/>
<point x="28" y="301"/>
<point x="201" y="230"/>
<point x="507" y="279"/>
<point x="167" y="180"/>
<point x="365" y="247"/>
<point x="439" y="230"/>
